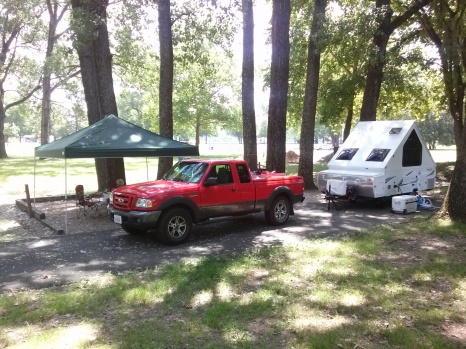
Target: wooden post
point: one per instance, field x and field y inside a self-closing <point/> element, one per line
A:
<point x="28" y="200"/>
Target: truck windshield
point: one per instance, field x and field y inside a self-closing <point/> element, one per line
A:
<point x="189" y="172"/>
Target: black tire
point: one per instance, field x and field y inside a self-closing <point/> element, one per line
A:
<point x="405" y="211"/>
<point x="279" y="211"/>
<point x="174" y="226"/>
<point x="132" y="231"/>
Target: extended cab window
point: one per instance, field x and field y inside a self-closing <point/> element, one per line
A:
<point x="347" y="154"/>
<point x="222" y="173"/>
<point x="378" y="155"/>
<point x="243" y="173"/>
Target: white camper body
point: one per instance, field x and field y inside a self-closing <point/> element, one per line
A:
<point x="382" y="159"/>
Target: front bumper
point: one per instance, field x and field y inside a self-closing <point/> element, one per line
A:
<point x="135" y="219"/>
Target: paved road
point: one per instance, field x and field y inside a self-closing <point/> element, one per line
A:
<point x="36" y="263"/>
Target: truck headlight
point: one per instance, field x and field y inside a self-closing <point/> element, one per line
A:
<point x="143" y="203"/>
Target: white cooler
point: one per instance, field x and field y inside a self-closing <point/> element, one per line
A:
<point x="404" y="204"/>
<point x="336" y="187"/>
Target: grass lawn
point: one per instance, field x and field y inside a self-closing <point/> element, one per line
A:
<point x="19" y="168"/>
<point x="400" y="286"/>
<point x="387" y="287"/>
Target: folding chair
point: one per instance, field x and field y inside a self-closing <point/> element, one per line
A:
<point x="85" y="203"/>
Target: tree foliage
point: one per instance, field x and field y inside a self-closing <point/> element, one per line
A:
<point x="204" y="98"/>
<point x="437" y="130"/>
<point x="386" y="21"/>
<point x="19" y="74"/>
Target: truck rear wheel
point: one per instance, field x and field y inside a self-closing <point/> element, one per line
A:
<point x="279" y="211"/>
<point x="174" y="226"/>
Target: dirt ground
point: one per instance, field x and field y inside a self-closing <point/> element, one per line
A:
<point x="67" y="216"/>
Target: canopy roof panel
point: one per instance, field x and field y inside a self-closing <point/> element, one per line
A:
<point x="113" y="137"/>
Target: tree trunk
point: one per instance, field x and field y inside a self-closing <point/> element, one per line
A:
<point x="198" y="131"/>
<point x="385" y="27"/>
<point x="7" y="39"/>
<point x="455" y="200"/>
<point x="46" y="86"/>
<point x="96" y="71"/>
<point x="276" y="133"/>
<point x="377" y="61"/>
<point x="3" y="154"/>
<point x="166" y="81"/>
<point x="446" y="30"/>
<point x="46" y="109"/>
<point x="349" y="119"/>
<point x="249" y="114"/>
<point x="306" y="144"/>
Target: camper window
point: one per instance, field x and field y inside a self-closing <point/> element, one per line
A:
<point x="347" y="154"/>
<point x="378" y="155"/>
<point x="412" y="151"/>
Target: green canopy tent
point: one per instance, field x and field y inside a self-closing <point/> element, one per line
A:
<point x="112" y="137"/>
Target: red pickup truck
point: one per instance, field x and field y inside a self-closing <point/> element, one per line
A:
<point x="196" y="190"/>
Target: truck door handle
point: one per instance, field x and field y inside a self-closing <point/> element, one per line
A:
<point x="234" y="189"/>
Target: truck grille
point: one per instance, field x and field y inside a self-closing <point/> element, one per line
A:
<point x="123" y="201"/>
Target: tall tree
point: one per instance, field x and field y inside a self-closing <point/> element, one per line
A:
<point x="385" y="25"/>
<point x="56" y="13"/>
<point x="279" y="73"/>
<point x="445" y="25"/>
<point x="93" y="47"/>
<point x="15" y="18"/>
<point x="306" y="145"/>
<point x="249" y="114"/>
<point x="166" y="81"/>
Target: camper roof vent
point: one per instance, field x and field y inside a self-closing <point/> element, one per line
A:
<point x="395" y="130"/>
<point x="347" y="154"/>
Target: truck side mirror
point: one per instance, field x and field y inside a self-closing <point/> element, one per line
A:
<point x="211" y="181"/>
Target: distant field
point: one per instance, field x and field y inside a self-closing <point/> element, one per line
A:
<point x="18" y="170"/>
<point x="444" y="154"/>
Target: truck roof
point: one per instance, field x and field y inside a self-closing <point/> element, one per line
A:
<point x="210" y="161"/>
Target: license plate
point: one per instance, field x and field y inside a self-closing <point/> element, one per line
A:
<point x="117" y="219"/>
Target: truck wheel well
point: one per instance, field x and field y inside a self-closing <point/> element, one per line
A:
<point x="185" y="207"/>
<point x="283" y="191"/>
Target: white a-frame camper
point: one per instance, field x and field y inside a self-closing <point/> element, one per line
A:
<point x="381" y="159"/>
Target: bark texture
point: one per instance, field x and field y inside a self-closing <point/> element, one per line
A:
<point x="306" y="145"/>
<point x="96" y="71"/>
<point x="447" y="31"/>
<point x="46" y="84"/>
<point x="249" y="114"/>
<point x="276" y="132"/>
<point x="166" y="81"/>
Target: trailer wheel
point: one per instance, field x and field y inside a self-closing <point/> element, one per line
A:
<point x="279" y="211"/>
<point x="174" y="226"/>
<point x="405" y="211"/>
<point x="132" y="231"/>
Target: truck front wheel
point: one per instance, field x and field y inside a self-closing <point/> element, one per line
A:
<point x="279" y="211"/>
<point x="174" y="226"/>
